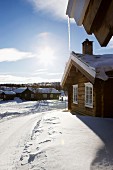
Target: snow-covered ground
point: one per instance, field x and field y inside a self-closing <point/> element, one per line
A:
<point x="43" y="136"/>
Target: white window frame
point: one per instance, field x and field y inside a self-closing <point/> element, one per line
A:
<point x="45" y="96"/>
<point x="32" y="96"/>
<point x="89" y="95"/>
<point x="75" y="94"/>
<point x="51" y="96"/>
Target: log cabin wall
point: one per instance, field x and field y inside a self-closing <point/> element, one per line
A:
<point x="108" y="98"/>
<point x="99" y="96"/>
<point x="78" y="78"/>
<point x="104" y="98"/>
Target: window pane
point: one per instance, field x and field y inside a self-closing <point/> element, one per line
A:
<point x="88" y="95"/>
<point x="75" y="94"/>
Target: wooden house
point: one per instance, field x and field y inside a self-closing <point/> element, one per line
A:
<point x="7" y="95"/>
<point x="25" y="93"/>
<point x="1" y="94"/>
<point x="96" y="16"/>
<point x="89" y="81"/>
<point x="47" y="94"/>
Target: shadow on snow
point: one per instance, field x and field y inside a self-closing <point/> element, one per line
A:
<point x="103" y="127"/>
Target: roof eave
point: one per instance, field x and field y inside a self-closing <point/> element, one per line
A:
<point x="86" y="70"/>
<point x="76" y="9"/>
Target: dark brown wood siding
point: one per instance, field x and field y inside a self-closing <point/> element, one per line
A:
<point x="104" y="98"/>
<point x="99" y="96"/>
<point x="108" y="98"/>
<point x="80" y="79"/>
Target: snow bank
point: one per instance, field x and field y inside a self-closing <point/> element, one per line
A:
<point x="17" y="99"/>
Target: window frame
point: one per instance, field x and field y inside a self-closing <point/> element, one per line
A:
<point x="32" y="96"/>
<point x="88" y="96"/>
<point x="75" y="94"/>
<point x="44" y="95"/>
<point x="51" y="96"/>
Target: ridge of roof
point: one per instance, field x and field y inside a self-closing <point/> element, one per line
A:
<point x="94" y="65"/>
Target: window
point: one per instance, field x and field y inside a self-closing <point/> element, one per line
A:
<point x="25" y="95"/>
<point x="44" y="96"/>
<point x="89" y="95"/>
<point x="51" y="96"/>
<point x="75" y="94"/>
<point x="32" y="96"/>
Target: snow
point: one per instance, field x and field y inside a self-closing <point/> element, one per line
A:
<point x="39" y="90"/>
<point x="100" y="63"/>
<point x="95" y="65"/>
<point x="1" y="91"/>
<point x="9" y="92"/>
<point x="44" y="136"/>
<point x="20" y="89"/>
<point x="48" y="90"/>
<point x="77" y="9"/>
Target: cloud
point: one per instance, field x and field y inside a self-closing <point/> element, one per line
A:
<point x="44" y="35"/>
<point x="56" y="8"/>
<point x="45" y="72"/>
<point x="55" y="74"/>
<point x="40" y="71"/>
<point x="19" y="79"/>
<point x="12" y="54"/>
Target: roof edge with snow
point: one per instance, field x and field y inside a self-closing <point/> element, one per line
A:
<point x="88" y="71"/>
<point x="92" y="66"/>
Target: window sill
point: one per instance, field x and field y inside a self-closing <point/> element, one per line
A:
<point x="75" y="102"/>
<point x="89" y="106"/>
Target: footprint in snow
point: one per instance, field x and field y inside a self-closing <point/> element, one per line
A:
<point x="53" y="120"/>
<point x="45" y="141"/>
<point x="34" y="155"/>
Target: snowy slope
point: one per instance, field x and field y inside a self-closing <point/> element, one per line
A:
<point x="54" y="139"/>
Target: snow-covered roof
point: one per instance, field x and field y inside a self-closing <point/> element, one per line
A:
<point x="95" y="65"/>
<point x="48" y="90"/>
<point x="77" y="9"/>
<point x="9" y="92"/>
<point x="20" y="89"/>
<point x="1" y="91"/>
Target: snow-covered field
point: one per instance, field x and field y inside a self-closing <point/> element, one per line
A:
<point x="43" y="136"/>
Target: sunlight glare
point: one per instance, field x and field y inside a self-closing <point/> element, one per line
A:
<point x="46" y="56"/>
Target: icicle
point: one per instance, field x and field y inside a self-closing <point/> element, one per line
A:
<point x="69" y="33"/>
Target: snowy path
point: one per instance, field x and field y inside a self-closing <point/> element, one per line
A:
<point x="54" y="140"/>
<point x="14" y="134"/>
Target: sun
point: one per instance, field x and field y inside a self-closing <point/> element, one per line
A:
<point x="46" y="55"/>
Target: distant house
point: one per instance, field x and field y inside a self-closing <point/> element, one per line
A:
<point x="1" y="94"/>
<point x="7" y="95"/>
<point x="25" y="93"/>
<point x="89" y="81"/>
<point x="47" y="94"/>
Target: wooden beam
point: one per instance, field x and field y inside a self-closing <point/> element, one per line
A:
<point x="103" y="35"/>
<point x="66" y="75"/>
<point x="94" y="15"/>
<point x="99" y="20"/>
<point x="91" y="13"/>
<point x="105" y="31"/>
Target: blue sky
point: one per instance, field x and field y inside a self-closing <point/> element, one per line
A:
<point x="34" y="40"/>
